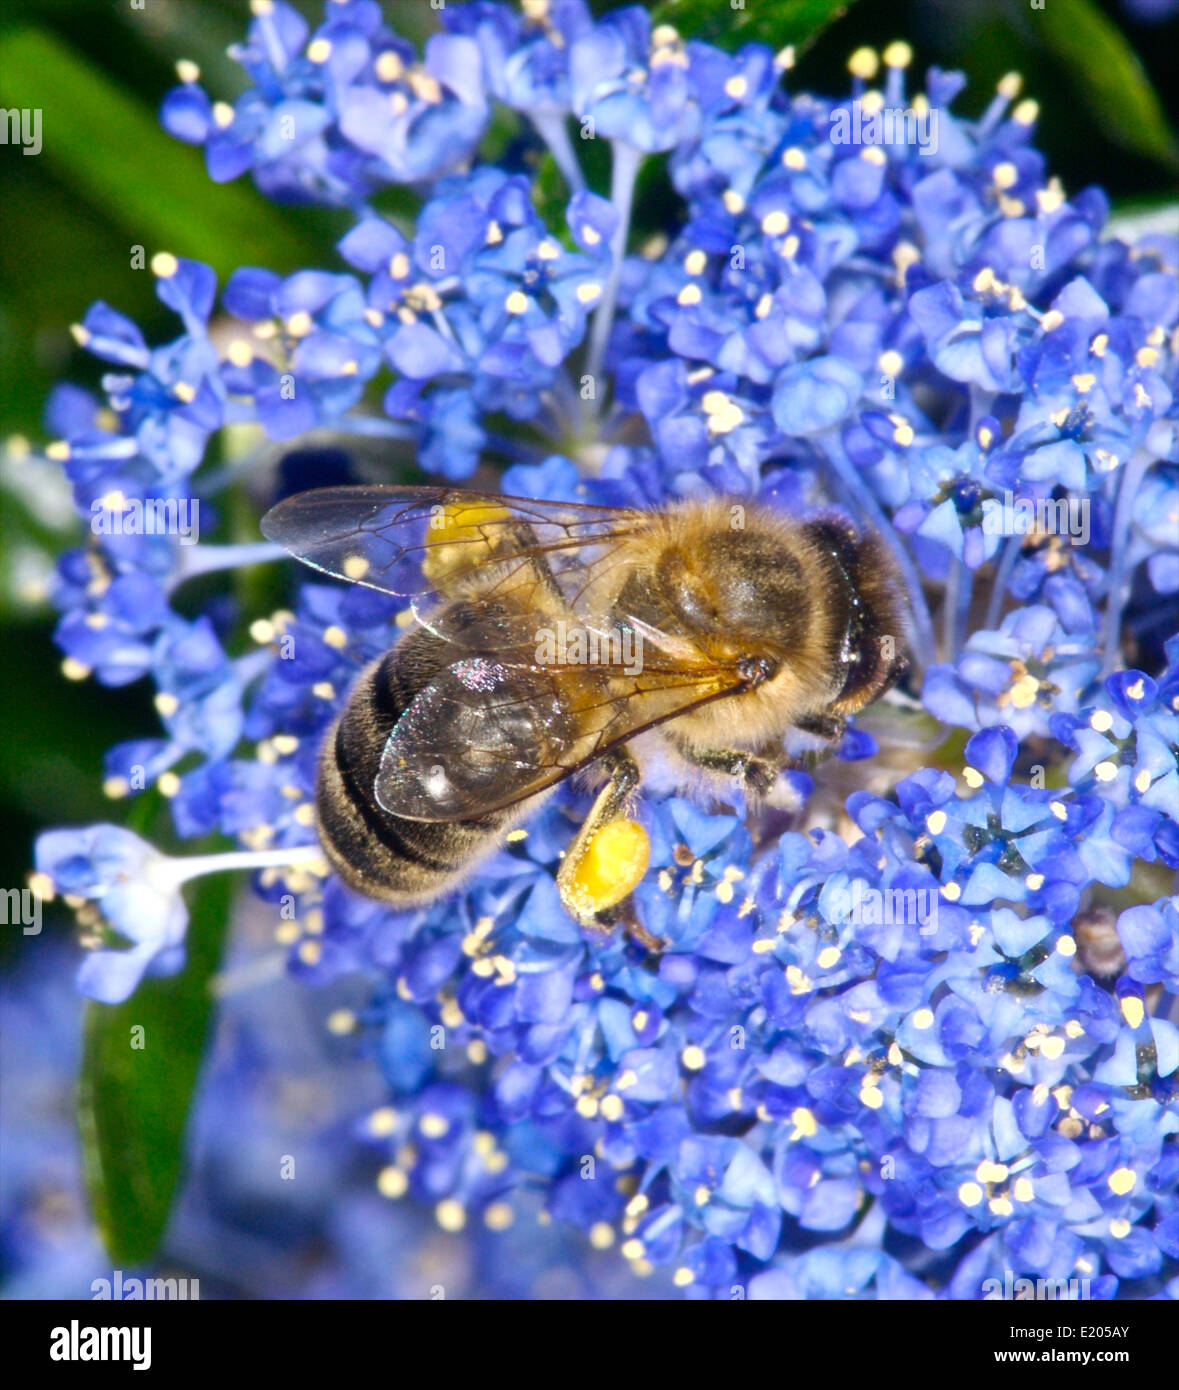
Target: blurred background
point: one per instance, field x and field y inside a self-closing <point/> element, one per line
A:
<point x="1106" y="76"/>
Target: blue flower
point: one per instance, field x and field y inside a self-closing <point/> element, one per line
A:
<point x="134" y="893"/>
<point x="332" y="118"/>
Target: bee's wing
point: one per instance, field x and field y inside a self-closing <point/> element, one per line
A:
<point x="420" y="540"/>
<point x="500" y="724"/>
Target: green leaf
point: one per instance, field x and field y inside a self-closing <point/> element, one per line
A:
<point x="133" y="1103"/>
<point x="797" y="22"/>
<point x="109" y="146"/>
<point x="1110" y="76"/>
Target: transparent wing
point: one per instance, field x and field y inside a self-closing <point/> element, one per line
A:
<point x="521" y="708"/>
<point x="413" y="541"/>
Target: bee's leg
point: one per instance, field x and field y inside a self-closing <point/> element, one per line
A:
<point x="607" y="857"/>
<point x="542" y="571"/>
<point x="624" y="914"/>
<point x="754" y="773"/>
<point x="828" y="726"/>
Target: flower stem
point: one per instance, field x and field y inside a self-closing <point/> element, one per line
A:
<point x="197" y="865"/>
<point x="959" y="591"/>
<point x="1002" y="577"/>
<point x="551" y="126"/>
<point x="206" y="559"/>
<point x="1119" y="577"/>
<point x="625" y="166"/>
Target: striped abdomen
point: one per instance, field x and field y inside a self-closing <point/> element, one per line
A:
<point x="379" y="854"/>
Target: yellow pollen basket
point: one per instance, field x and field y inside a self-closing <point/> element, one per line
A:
<point x="455" y="539"/>
<point x="613" y="864"/>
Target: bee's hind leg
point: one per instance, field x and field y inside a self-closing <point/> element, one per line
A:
<point x="825" y="726"/>
<point x="753" y="773"/>
<point x="608" y="857"/>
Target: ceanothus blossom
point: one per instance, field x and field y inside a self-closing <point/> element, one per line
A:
<point x="875" y="1056"/>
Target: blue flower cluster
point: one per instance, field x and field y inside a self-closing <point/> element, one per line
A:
<point x="920" y="1036"/>
<point x="274" y="1203"/>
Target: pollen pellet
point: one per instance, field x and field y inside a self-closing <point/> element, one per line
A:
<point x="613" y="864"/>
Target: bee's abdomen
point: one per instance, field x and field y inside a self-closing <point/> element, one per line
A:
<point x="379" y="854"/>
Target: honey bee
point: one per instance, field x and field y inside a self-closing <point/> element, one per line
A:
<point x="552" y="637"/>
